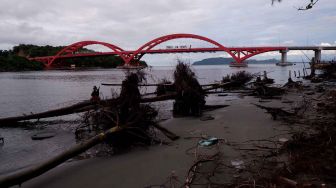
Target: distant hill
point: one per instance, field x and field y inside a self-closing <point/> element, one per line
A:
<point x="226" y="61"/>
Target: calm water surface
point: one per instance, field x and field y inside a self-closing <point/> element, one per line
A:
<point x="31" y="92"/>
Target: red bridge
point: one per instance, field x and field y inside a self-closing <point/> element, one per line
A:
<point x="239" y="54"/>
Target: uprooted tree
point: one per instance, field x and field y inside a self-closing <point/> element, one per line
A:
<point x="190" y="97"/>
<point x="120" y="122"/>
<point x="135" y="118"/>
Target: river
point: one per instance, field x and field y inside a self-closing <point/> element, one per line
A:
<point x="36" y="91"/>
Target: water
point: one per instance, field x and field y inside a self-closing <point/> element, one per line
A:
<point x="26" y="92"/>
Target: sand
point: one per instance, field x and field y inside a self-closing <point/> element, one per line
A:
<point x="152" y="165"/>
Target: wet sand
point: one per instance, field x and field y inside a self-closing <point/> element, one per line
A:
<point x="142" y="167"/>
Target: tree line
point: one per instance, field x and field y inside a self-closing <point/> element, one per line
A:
<point x="16" y="58"/>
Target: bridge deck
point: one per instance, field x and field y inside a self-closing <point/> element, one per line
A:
<point x="191" y="50"/>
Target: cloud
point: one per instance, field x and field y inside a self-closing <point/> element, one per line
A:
<point x="325" y="44"/>
<point x="129" y="24"/>
<point x="288" y="42"/>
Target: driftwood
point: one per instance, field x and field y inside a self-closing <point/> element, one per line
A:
<point x="287" y="182"/>
<point x="52" y="113"/>
<point x="166" y="132"/>
<point x="125" y="119"/>
<point x="88" y="105"/>
<point x="276" y="111"/>
<point x="264" y="91"/>
<point x="140" y="85"/>
<point x="77" y="108"/>
<point x="19" y="178"/>
<point x="145" y="85"/>
<point x="217" y="86"/>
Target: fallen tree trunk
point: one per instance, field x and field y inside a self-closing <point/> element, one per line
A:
<point x="216" y="86"/>
<point x="246" y="91"/>
<point x="85" y="106"/>
<point x="25" y="175"/>
<point x="140" y="85"/>
<point x="166" y="132"/>
<point x="275" y="112"/>
<point x="145" y="85"/>
<point x="19" y="178"/>
<point x="77" y="108"/>
<point x="51" y="113"/>
<point x="159" y="98"/>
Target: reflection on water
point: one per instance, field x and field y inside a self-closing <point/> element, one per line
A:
<point x="26" y="92"/>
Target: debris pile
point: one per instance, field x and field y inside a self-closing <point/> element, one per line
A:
<point x="136" y="120"/>
<point x="312" y="154"/>
<point x="322" y="71"/>
<point x="236" y="80"/>
<point x="119" y="122"/>
<point x="267" y="92"/>
<point x="292" y="84"/>
<point x="328" y="71"/>
<point x="311" y="151"/>
<point x="165" y="87"/>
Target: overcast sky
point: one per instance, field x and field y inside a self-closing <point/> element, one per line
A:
<point x="131" y="23"/>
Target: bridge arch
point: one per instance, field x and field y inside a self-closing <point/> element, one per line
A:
<point x="76" y="46"/>
<point x="151" y="44"/>
<point x="245" y="53"/>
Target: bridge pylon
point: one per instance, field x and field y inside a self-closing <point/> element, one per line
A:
<point x="284" y="61"/>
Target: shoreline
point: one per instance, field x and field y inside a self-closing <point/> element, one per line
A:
<point x="127" y="170"/>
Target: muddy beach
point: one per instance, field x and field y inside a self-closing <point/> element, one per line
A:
<point x="250" y="151"/>
<point x="146" y="167"/>
<point x="242" y="144"/>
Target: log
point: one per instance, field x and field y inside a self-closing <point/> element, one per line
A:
<point x="159" y="98"/>
<point x="246" y="91"/>
<point x="86" y="106"/>
<point x="76" y="108"/>
<point x="140" y="85"/>
<point x="25" y="175"/>
<point x="145" y="85"/>
<point x="216" y="86"/>
<point x="287" y="182"/>
<point x="166" y="132"/>
<point x="276" y="111"/>
<point x="22" y="176"/>
<point x="51" y="113"/>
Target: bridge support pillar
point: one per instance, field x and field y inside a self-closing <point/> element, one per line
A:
<point x="317" y="55"/>
<point x="284" y="58"/>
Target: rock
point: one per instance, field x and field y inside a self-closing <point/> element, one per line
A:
<point x="207" y="118"/>
<point x="43" y="135"/>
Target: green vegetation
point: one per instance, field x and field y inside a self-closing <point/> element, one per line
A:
<point x="16" y="59"/>
<point x="9" y="61"/>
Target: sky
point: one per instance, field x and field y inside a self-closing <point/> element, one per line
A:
<point x="131" y="23"/>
